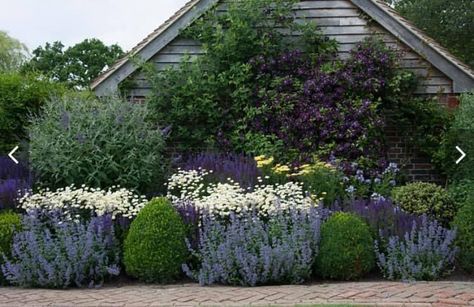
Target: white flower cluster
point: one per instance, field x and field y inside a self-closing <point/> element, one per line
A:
<point x="223" y="198"/>
<point x="187" y="184"/>
<point x="115" y="201"/>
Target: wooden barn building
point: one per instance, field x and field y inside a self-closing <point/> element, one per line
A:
<point x="347" y="21"/>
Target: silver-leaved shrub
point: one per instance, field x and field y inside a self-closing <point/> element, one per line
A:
<point x="97" y="142"/>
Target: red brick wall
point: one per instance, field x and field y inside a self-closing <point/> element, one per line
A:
<point x="416" y="165"/>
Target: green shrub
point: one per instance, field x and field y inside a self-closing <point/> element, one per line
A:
<point x="464" y="222"/>
<point x="460" y="134"/>
<point x="346" y="248"/>
<point x="155" y="248"/>
<point x="425" y="198"/>
<point x="97" y="142"/>
<point x="421" y="122"/>
<point x="20" y="96"/>
<point x="322" y="180"/>
<point x="206" y="100"/>
<point x="461" y="191"/>
<point x="9" y="223"/>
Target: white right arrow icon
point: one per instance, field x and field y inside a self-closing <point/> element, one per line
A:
<point x="463" y="155"/>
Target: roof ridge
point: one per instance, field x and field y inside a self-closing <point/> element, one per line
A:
<point x="461" y="74"/>
<point x="425" y="37"/>
<point x="189" y="5"/>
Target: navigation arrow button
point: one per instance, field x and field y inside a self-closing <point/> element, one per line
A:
<point x="463" y="155"/>
<point x="11" y="155"/>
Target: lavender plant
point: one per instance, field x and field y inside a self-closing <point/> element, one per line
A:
<point x="51" y="252"/>
<point x="247" y="251"/>
<point x="10" y="170"/>
<point x="240" y="168"/>
<point x="15" y="179"/>
<point x="191" y="216"/>
<point x="383" y="216"/>
<point x="427" y="252"/>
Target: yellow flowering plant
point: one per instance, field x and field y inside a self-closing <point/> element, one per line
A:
<point x="274" y="173"/>
<point x="322" y="180"/>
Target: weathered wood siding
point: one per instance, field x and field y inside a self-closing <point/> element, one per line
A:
<point x="340" y="20"/>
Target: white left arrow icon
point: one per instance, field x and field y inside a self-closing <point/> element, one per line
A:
<point x="11" y="155"/>
<point x="463" y="155"/>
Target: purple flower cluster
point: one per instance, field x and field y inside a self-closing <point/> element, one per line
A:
<point x="324" y="106"/>
<point x="427" y="252"/>
<point x="51" y="252"/>
<point x="247" y="251"/>
<point x="14" y="180"/>
<point x="188" y="212"/>
<point x="191" y="216"/>
<point x="383" y="216"/>
<point x="369" y="182"/>
<point x="240" y="168"/>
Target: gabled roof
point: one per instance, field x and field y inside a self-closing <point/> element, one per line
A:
<point x="378" y="10"/>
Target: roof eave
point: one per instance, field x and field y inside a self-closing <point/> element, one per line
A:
<point x="108" y="83"/>
<point x="462" y="80"/>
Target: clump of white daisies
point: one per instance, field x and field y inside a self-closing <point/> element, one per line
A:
<point x="71" y="200"/>
<point x="225" y="197"/>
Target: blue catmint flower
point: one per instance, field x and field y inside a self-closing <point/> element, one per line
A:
<point x="426" y="252"/>
<point x="351" y="189"/>
<point x="54" y="253"/>
<point x="245" y="250"/>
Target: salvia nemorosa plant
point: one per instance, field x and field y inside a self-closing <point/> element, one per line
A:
<point x="383" y="216"/>
<point x="15" y="179"/>
<point x="240" y="168"/>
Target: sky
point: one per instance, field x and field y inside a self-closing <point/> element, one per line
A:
<point x="125" y="22"/>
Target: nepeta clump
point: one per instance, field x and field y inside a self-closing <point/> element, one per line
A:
<point x="10" y="223"/>
<point x="191" y="216"/>
<point x="51" y="252"/>
<point x="427" y="252"/>
<point x="240" y="168"/>
<point x="247" y="251"/>
<point x="320" y="105"/>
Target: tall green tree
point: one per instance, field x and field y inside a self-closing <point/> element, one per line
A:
<point x="21" y="95"/>
<point x="450" y="22"/>
<point x="76" y="66"/>
<point x="12" y="53"/>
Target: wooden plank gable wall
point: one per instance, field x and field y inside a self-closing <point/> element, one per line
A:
<point x="338" y="19"/>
